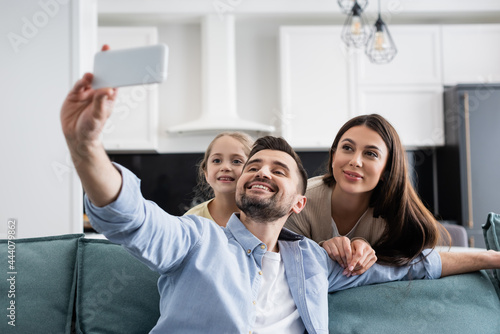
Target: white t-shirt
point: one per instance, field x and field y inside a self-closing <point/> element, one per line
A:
<point x="276" y="309"/>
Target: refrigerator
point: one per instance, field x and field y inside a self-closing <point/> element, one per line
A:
<point x="468" y="166"/>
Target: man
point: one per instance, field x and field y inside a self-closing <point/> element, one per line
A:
<point x="252" y="276"/>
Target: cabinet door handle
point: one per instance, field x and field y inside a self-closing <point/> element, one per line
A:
<point x="468" y="159"/>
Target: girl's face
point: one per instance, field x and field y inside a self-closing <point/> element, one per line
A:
<point x="224" y="164"/>
<point x="359" y="161"/>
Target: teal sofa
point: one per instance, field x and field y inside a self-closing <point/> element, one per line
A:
<point x="71" y="284"/>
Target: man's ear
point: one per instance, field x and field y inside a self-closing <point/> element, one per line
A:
<point x="300" y="204"/>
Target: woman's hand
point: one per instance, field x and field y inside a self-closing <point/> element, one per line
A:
<point x="354" y="256"/>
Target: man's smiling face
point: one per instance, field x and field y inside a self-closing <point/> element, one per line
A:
<point x="268" y="187"/>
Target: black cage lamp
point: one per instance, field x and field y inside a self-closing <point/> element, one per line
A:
<point x="380" y="47"/>
<point x="355" y="31"/>
<point x="346" y="5"/>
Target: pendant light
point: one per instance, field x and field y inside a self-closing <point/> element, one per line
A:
<point x="380" y="47"/>
<point x="346" y="5"/>
<point x="355" y="31"/>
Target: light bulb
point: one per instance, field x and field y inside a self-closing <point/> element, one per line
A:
<point x="380" y="48"/>
<point x="356" y="25"/>
<point x="379" y="41"/>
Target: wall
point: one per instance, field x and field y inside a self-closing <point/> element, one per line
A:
<point x="257" y="73"/>
<point x="38" y="185"/>
<point x="39" y="61"/>
<point x="257" y="61"/>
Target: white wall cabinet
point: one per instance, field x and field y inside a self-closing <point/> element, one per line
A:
<point x="471" y="53"/>
<point x="323" y="85"/>
<point x="408" y="91"/>
<point x="416" y="112"/>
<point x="315" y="70"/>
<point x="133" y="125"/>
<point x="418" y="61"/>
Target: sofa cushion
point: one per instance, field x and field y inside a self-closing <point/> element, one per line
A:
<point x="115" y="292"/>
<point x="491" y="231"/>
<point x="40" y="290"/>
<point x="465" y="303"/>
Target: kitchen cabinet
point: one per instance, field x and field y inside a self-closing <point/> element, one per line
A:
<point x="315" y="69"/>
<point x="418" y="61"/>
<point x="408" y="90"/>
<point x="133" y="125"/>
<point x="470" y="192"/>
<point x="471" y="53"/>
<point x="414" y="111"/>
<point x="324" y="84"/>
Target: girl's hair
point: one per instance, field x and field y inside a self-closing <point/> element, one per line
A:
<point x="203" y="191"/>
<point x="410" y="225"/>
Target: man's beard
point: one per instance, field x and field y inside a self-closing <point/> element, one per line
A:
<point x="262" y="210"/>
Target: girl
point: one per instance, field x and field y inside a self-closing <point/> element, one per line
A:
<point x="217" y="175"/>
<point x="366" y="194"/>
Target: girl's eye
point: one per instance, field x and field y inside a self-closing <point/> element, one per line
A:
<point x="237" y="162"/>
<point x="216" y="161"/>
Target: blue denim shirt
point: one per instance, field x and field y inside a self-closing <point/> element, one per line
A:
<point x="210" y="276"/>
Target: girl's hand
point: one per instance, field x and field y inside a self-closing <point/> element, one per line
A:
<point x="354" y="256"/>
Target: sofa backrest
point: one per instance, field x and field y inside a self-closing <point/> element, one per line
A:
<point x="465" y="303"/>
<point x="68" y="284"/>
<point x="38" y="284"/>
<point x="115" y="293"/>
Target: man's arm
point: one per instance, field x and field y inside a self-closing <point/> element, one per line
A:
<point x="460" y="263"/>
<point x="83" y="115"/>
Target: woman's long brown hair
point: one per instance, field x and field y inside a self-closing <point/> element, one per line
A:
<point x="411" y="227"/>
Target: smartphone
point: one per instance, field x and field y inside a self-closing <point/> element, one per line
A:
<point x="130" y="67"/>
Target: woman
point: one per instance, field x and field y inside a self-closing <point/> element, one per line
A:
<point x="217" y="175"/>
<point x="367" y="194"/>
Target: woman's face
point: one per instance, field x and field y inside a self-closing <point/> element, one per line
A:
<point x="224" y="164"/>
<point x="359" y="161"/>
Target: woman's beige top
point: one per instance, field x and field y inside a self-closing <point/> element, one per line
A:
<point x="315" y="220"/>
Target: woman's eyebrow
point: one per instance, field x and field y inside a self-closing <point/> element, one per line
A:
<point x="373" y="147"/>
<point x="348" y="140"/>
